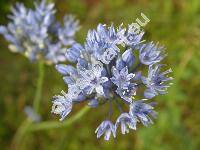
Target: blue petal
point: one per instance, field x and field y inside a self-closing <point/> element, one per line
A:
<point x="128" y="57"/>
<point x="149" y="93"/>
<point x="68" y="80"/>
<point x="65" y="69"/>
<point x="120" y="64"/>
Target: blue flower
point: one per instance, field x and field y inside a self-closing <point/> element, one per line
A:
<point x="36" y="34"/>
<point x="100" y="73"/>
<point x="32" y="114"/>
<point x="129" y="37"/>
<point x="155" y="82"/>
<point x="67" y="33"/>
<point x="143" y="111"/>
<point x="121" y="78"/>
<point x="126" y="121"/>
<point x="93" y="80"/>
<point x="128" y="58"/>
<point x="62" y="105"/>
<point x="56" y="53"/>
<point x="103" y="43"/>
<point x="151" y="53"/>
<point x="127" y="93"/>
<point x="107" y="128"/>
<point x="74" y="53"/>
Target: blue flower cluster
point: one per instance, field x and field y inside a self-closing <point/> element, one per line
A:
<point x="111" y="68"/>
<point x="36" y="33"/>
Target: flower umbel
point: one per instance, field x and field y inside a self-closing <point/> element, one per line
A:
<point x="106" y="70"/>
<point x="36" y="33"/>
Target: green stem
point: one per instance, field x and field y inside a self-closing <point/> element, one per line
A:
<point x="21" y="132"/>
<point x="37" y="98"/>
<point x="46" y="125"/>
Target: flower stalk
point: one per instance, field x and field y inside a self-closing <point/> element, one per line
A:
<point x="47" y="125"/>
<point x="37" y="99"/>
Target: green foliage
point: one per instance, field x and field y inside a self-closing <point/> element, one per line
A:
<point x="174" y="23"/>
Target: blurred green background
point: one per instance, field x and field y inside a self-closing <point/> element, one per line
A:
<point x="174" y="23"/>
